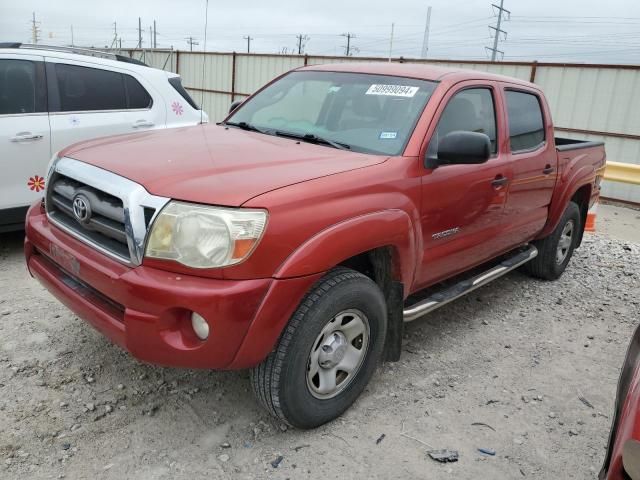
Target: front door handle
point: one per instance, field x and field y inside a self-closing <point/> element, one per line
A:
<point x="26" y="136"/>
<point x="548" y="169"/>
<point x="142" y="124"/>
<point x="499" y="181"/>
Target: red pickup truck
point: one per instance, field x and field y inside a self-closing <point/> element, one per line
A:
<point x="296" y="236"/>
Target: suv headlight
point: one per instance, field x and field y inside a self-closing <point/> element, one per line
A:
<point x="199" y="236"/>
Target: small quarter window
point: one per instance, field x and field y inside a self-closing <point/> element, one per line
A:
<point x="137" y="96"/>
<point x="526" y="124"/>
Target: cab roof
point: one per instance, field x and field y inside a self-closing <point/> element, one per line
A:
<point x="422" y="71"/>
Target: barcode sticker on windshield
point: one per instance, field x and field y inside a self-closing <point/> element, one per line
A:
<point x="392" y="90"/>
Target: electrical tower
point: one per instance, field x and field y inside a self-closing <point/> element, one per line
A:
<point x="302" y="41"/>
<point x="348" y="49"/>
<point x="114" y="42"/>
<point x="497" y="30"/>
<point x="248" y="38"/>
<point x="425" y="39"/>
<point x="35" y="29"/>
<point x="191" y="43"/>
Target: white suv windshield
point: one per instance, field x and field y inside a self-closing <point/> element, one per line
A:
<point x="361" y="112"/>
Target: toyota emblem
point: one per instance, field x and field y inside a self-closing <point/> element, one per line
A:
<point x="82" y="208"/>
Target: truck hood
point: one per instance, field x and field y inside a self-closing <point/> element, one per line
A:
<point x="214" y="164"/>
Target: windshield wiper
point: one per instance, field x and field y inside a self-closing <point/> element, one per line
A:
<point x="311" y="138"/>
<point x="245" y="126"/>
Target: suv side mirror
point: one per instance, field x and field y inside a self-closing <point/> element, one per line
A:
<point x="235" y="105"/>
<point x="461" y="147"/>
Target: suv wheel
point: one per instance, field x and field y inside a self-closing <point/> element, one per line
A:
<point x="327" y="353"/>
<point x="554" y="251"/>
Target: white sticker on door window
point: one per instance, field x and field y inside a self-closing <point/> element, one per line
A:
<point x="392" y="90"/>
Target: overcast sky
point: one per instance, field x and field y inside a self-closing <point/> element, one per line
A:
<point x="546" y="30"/>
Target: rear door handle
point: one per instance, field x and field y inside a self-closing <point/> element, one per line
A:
<point x="25" y="136"/>
<point x="142" y="124"/>
<point x="548" y="169"/>
<point x="499" y="181"/>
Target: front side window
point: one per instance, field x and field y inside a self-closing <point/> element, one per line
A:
<point x="18" y="87"/>
<point x="471" y="110"/>
<point x="526" y="124"/>
<point x="367" y="113"/>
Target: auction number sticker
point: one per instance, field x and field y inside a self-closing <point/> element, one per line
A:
<point x="392" y="90"/>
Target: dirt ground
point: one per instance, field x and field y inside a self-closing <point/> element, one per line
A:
<point x="525" y="368"/>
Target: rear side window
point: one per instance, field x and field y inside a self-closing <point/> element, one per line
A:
<point x="21" y="89"/>
<point x="84" y="88"/>
<point x="137" y="96"/>
<point x="526" y="124"/>
<point x="90" y="89"/>
<point x="176" y="83"/>
<point x="470" y="110"/>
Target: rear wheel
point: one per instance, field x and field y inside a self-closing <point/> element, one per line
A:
<point x="555" y="251"/>
<point x="327" y="353"/>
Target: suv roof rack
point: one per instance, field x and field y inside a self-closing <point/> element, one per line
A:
<point x="77" y="50"/>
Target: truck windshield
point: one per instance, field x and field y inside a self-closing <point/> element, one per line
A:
<point x="355" y="111"/>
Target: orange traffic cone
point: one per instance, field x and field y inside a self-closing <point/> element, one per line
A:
<point x="590" y="226"/>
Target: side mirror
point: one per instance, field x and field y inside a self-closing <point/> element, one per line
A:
<point x="462" y="148"/>
<point x="235" y="105"/>
<point x="631" y="459"/>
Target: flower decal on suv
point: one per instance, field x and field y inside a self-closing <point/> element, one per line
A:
<point x="177" y="108"/>
<point x="36" y="183"/>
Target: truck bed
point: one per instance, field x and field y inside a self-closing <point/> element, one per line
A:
<point x="563" y="144"/>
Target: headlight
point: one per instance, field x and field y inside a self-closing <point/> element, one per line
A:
<point x="205" y="237"/>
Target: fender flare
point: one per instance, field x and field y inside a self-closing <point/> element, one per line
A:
<point x="343" y="240"/>
<point x="570" y="185"/>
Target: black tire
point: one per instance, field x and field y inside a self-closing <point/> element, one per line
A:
<point x="280" y="382"/>
<point x="547" y="264"/>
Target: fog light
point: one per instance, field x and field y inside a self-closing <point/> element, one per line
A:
<point x="200" y="326"/>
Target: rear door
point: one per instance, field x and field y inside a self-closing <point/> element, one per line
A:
<point x="24" y="134"/>
<point x="534" y="162"/>
<point x="87" y="101"/>
<point x="462" y="205"/>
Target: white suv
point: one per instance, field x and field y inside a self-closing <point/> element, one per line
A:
<point x="51" y="97"/>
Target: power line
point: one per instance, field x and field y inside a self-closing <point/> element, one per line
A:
<point x="494" y="51"/>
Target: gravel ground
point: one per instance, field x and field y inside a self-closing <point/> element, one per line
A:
<point x="525" y="368"/>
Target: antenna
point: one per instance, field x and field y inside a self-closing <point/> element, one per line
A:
<point x="204" y="58"/>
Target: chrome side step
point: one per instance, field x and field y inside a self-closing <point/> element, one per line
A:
<point x="439" y="299"/>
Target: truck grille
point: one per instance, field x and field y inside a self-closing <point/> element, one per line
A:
<point x="104" y="224"/>
<point x="104" y="210"/>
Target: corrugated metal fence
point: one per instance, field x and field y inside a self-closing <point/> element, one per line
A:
<point x="593" y="102"/>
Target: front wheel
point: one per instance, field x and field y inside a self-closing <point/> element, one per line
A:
<point x="555" y="251"/>
<point x="327" y="353"/>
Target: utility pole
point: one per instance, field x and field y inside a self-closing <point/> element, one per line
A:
<point x="496" y="37"/>
<point x="248" y="38"/>
<point x="391" y="41"/>
<point x="155" y="39"/>
<point x="139" y="32"/>
<point x="35" y="29"/>
<point x="425" y="40"/>
<point x="191" y="43"/>
<point x="347" y="48"/>
<point x="150" y="37"/>
<point x="301" y="43"/>
<point x="72" y="36"/>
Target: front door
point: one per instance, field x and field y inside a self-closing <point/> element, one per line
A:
<point x="462" y="205"/>
<point x="24" y="134"/>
